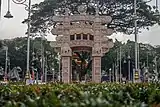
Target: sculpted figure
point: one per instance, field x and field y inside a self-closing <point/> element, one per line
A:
<point x="14" y="73"/>
<point x="97" y="49"/>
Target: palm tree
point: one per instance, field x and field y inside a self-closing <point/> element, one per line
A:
<point x="82" y="63"/>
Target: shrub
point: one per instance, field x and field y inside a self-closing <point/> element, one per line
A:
<point x="80" y="95"/>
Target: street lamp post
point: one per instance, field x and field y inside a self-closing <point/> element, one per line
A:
<point x="129" y="68"/>
<point x="120" y="64"/>
<point x="27" y="8"/>
<point x="110" y="77"/>
<point x="53" y="74"/>
<point x="135" y="25"/>
<point x="113" y="72"/>
<point x="6" y="63"/>
<point x="42" y="57"/>
<point x="60" y="67"/>
<point x="156" y="71"/>
<point x="136" y="41"/>
<point x="117" y="64"/>
<point x="45" y="70"/>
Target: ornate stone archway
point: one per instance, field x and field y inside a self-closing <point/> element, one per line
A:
<point x="81" y="32"/>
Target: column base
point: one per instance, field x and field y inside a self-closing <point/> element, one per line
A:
<point x="96" y="69"/>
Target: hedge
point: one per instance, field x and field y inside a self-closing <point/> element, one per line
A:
<point x="80" y="95"/>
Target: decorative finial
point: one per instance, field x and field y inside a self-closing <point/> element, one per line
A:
<point x="97" y="11"/>
<point x="82" y="9"/>
<point x="97" y="8"/>
<point x="67" y="11"/>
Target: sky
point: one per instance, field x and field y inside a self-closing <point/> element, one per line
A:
<point x="11" y="28"/>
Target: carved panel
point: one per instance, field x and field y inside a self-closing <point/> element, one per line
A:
<point x="97" y="71"/>
<point x="97" y="38"/>
<point x="97" y="32"/>
<point x="104" y="50"/>
<point x="87" y="43"/>
<point x="65" y="64"/>
<point x="83" y="48"/>
<point x="67" y="32"/>
<point x="98" y="79"/>
<point x="65" y="70"/>
<point x="62" y="39"/>
<point x="65" y="58"/>
<point x="65" y="77"/>
<point x="81" y="26"/>
<point x="97" y="49"/>
<point x="97" y="26"/>
<point x="80" y="30"/>
<point x="66" y="50"/>
<point x="82" y="18"/>
<point x="97" y="62"/>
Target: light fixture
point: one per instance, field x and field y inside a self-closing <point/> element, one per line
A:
<point x="8" y="14"/>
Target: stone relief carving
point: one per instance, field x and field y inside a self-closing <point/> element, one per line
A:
<point x="97" y="62"/>
<point x="104" y="50"/>
<point x="97" y="78"/>
<point x="67" y="25"/>
<point x="65" y="77"/>
<point x="66" y="50"/>
<point x="82" y="9"/>
<point x="65" y="70"/>
<point x="65" y="63"/>
<point x="76" y="30"/>
<point x="87" y="43"/>
<point x="14" y="73"/>
<point x="97" y="50"/>
<point x="67" y="11"/>
<point x="97" y="11"/>
<point x="97" y="38"/>
<point x="58" y="38"/>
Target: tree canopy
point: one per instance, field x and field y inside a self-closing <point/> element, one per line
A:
<point x="17" y="55"/>
<point x="121" y="11"/>
<point x="147" y="55"/>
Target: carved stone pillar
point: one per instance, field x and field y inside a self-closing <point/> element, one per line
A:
<point x="96" y="63"/>
<point x="96" y="69"/>
<point x="66" y="54"/>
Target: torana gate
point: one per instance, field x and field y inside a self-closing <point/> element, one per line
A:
<point x="81" y="32"/>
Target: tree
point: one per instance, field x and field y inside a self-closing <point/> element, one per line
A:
<point x="17" y="50"/>
<point x="82" y="63"/>
<point x="1" y="44"/>
<point x="17" y="53"/>
<point x="157" y="48"/>
<point x="49" y="53"/>
<point x="122" y="12"/>
<point x="111" y="57"/>
<point x="147" y="54"/>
